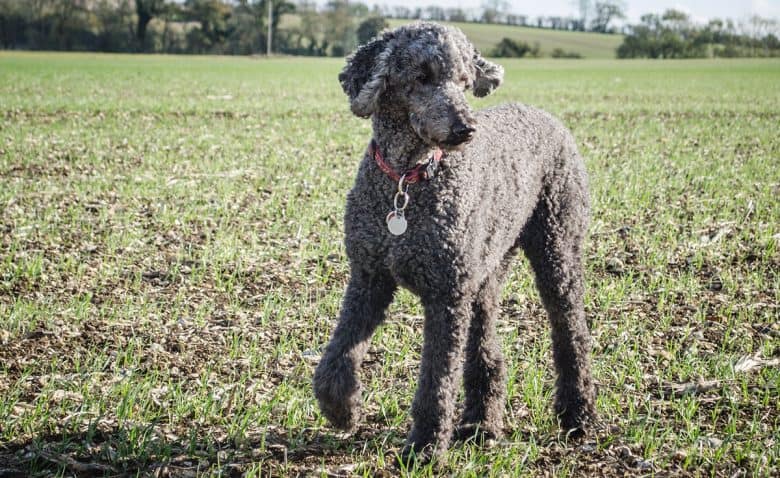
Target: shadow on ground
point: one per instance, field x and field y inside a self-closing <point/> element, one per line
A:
<point x="144" y="451"/>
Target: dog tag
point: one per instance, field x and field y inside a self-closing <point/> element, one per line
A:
<point x="396" y="223"/>
<point x="430" y="170"/>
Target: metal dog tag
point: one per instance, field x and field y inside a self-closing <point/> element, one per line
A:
<point x="430" y="170"/>
<point x="396" y="223"/>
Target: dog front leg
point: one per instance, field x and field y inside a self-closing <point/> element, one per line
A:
<point x="446" y="330"/>
<point x="336" y="383"/>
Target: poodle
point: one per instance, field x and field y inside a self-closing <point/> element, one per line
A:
<point x="443" y="200"/>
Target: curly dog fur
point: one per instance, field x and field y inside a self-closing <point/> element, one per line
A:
<point x="511" y="179"/>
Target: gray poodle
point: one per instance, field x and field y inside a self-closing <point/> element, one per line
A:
<point x="447" y="226"/>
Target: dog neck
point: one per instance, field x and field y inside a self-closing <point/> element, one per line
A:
<point x="400" y="145"/>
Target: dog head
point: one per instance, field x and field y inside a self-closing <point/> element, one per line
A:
<point x="420" y="72"/>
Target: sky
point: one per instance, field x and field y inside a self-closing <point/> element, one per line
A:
<point x="699" y="10"/>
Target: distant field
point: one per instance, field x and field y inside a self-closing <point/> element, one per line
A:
<point x="589" y="45"/>
<point x="485" y="37"/>
<point x="171" y="266"/>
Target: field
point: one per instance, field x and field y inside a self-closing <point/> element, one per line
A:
<point x="589" y="45"/>
<point x="171" y="266"/>
<point x="486" y="36"/>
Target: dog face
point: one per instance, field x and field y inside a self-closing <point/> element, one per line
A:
<point x="420" y="72"/>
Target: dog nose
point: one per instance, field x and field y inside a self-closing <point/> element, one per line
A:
<point x="463" y="130"/>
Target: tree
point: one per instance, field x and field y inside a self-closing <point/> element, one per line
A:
<point x="435" y="13"/>
<point x="513" y="19"/>
<point x="339" y="29"/>
<point x="762" y="29"/>
<point x="606" y="11"/>
<point x="278" y="8"/>
<point x="508" y="48"/>
<point x="310" y="30"/>
<point x="357" y="9"/>
<point x="676" y="20"/>
<point x="585" y="9"/>
<point x="456" y="15"/>
<point x="115" y="25"/>
<point x="146" y="10"/>
<point x="213" y="18"/>
<point x="494" y="11"/>
<point x="557" y="23"/>
<point x="246" y="27"/>
<point x="370" y="28"/>
<point x="12" y="23"/>
<point x="402" y="12"/>
<point x="561" y="53"/>
<point x="673" y="35"/>
<point x="172" y="14"/>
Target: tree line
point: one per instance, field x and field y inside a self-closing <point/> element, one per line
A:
<point x="186" y="26"/>
<point x="337" y="27"/>
<point x="241" y="26"/>
<point x="673" y="34"/>
<point x="593" y="16"/>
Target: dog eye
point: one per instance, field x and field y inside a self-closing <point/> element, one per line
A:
<point x="426" y="75"/>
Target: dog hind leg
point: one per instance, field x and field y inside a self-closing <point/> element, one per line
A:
<point x="553" y="242"/>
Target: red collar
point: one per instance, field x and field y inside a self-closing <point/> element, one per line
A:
<point x="423" y="171"/>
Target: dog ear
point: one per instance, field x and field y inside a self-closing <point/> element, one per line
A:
<point x="363" y="78"/>
<point x="489" y="75"/>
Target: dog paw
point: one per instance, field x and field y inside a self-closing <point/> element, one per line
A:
<point x="477" y="433"/>
<point x="338" y="392"/>
<point x="341" y="417"/>
<point x="577" y="420"/>
<point x="414" y="455"/>
<point x="576" y="409"/>
<point x="424" y="446"/>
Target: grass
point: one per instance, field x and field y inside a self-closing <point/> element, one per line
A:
<point x="171" y="265"/>
<point x="485" y="37"/>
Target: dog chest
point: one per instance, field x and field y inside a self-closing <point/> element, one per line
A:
<point x="429" y="257"/>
